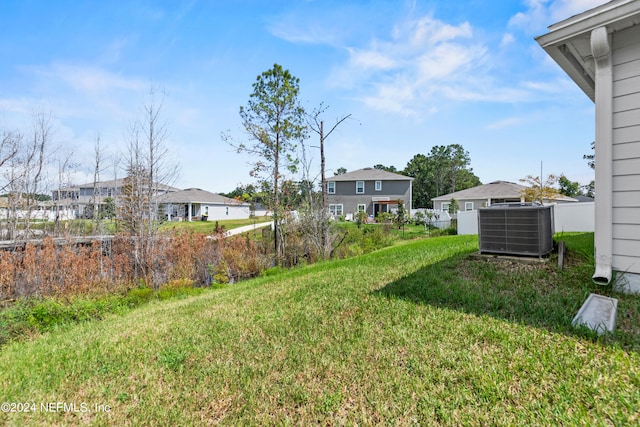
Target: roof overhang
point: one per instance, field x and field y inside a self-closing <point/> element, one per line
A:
<point x="569" y="42"/>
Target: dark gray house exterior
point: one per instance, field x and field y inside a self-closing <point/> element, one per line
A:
<point x="367" y="190"/>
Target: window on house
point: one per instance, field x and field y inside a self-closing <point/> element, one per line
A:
<point x="378" y="185"/>
<point x="335" y="210"/>
<point x="445" y="206"/>
<point x="362" y="207"/>
<point x="359" y="187"/>
<point x="331" y="187"/>
<point x="468" y="206"/>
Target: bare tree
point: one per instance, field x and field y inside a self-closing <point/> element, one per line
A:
<point x="317" y="126"/>
<point x="9" y="150"/>
<point x="24" y="169"/>
<point x="34" y="172"/>
<point x="63" y="193"/>
<point x="148" y="169"/>
<point x="97" y="196"/>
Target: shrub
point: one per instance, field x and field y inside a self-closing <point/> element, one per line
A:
<point x="449" y="231"/>
<point x="138" y="296"/>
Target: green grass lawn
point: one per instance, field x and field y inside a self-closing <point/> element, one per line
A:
<point x="208" y="227"/>
<point x="408" y="232"/>
<point x="415" y="334"/>
<point x="85" y="226"/>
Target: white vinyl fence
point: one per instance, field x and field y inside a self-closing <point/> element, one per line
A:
<point x="438" y="219"/>
<point x="43" y="214"/>
<point x="566" y="217"/>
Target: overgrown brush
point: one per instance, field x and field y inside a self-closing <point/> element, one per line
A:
<point x="63" y="270"/>
<point x="358" y="241"/>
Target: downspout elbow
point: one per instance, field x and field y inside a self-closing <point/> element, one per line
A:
<point x="602" y="275"/>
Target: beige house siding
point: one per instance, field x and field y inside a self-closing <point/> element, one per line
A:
<point x="626" y="150"/>
<point x="477" y="204"/>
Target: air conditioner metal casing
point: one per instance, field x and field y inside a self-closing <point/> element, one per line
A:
<point x="516" y="229"/>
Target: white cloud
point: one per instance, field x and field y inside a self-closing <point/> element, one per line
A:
<point x="407" y="72"/>
<point x="448" y="59"/>
<point x="506" y="123"/>
<point x="485" y="92"/>
<point x="534" y="18"/>
<point x="21" y="105"/>
<point x="563" y="9"/>
<point x="560" y="85"/>
<point x="542" y="13"/>
<point x="84" y="91"/>
<point x="113" y="52"/>
<point x="312" y="34"/>
<point x="429" y="31"/>
<point x="94" y="80"/>
<point x="507" y="39"/>
<point x="316" y="25"/>
<point x="371" y="59"/>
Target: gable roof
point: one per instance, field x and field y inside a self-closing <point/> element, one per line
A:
<point x="493" y="190"/>
<point x="196" y="195"/>
<point x="370" y="174"/>
<point x="569" y="42"/>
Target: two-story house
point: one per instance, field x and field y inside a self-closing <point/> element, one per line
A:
<point x="368" y="190"/>
<point x="84" y="198"/>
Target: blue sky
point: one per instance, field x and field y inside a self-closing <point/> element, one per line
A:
<point x="412" y="74"/>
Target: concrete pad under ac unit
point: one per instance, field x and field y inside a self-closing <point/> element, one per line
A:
<point x="598" y="313"/>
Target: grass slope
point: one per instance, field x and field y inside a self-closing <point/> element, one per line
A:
<point x="414" y="334"/>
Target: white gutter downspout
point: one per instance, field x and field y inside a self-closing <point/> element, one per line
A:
<point x="603" y="241"/>
<point x="410" y="196"/>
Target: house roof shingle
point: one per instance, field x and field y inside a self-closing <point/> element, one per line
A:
<point x="493" y="190"/>
<point x="369" y="174"/>
<point x="196" y="195"/>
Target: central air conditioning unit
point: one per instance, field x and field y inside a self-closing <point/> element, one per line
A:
<point x="516" y="229"/>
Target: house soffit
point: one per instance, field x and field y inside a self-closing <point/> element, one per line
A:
<point x="569" y="42"/>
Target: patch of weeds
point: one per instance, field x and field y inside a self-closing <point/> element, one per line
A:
<point x="123" y="397"/>
<point x="46" y="313"/>
<point x="430" y="410"/>
<point x="172" y="359"/>
<point x="330" y="402"/>
<point x="299" y="396"/>
<point x="169" y="292"/>
<point x="138" y="296"/>
<point x="274" y="271"/>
